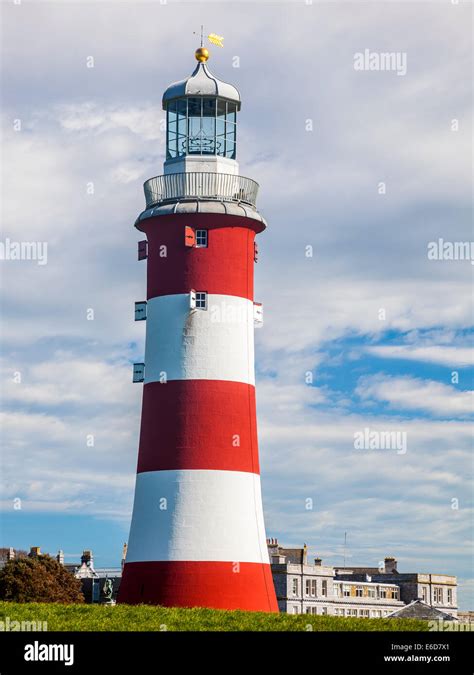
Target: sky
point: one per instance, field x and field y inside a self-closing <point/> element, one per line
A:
<point x="359" y="171"/>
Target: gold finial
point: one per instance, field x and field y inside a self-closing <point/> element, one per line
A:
<point x="201" y="54"/>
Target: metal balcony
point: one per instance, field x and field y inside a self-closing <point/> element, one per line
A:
<point x="200" y="185"/>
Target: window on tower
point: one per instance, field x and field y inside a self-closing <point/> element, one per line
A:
<point x="140" y="311"/>
<point x="201" y="125"/>
<point x="201" y="238"/>
<point x="138" y="372"/>
<point x="201" y="300"/>
<point x="171" y="128"/>
<point x="143" y="250"/>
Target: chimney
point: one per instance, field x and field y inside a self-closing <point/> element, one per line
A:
<point x="60" y="557"/>
<point x="11" y="554"/>
<point x="305" y="554"/>
<point x="390" y="566"/>
<point x="35" y="551"/>
<point x="318" y="562"/>
<point x="86" y="558"/>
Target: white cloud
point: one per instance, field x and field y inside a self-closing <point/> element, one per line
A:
<point x="145" y="121"/>
<point x="409" y="393"/>
<point x="307" y="311"/>
<point x="64" y="379"/>
<point x="446" y="356"/>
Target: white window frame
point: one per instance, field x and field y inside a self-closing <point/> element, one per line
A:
<point x="295" y="587"/>
<point x="201" y="300"/>
<point x="324" y="588"/>
<point x="203" y="235"/>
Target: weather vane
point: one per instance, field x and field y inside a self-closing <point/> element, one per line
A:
<point x="202" y="35"/>
<point x="212" y="37"/>
<point x="202" y="53"/>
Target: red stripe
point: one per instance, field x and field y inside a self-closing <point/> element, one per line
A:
<point x="198" y="424"/>
<point x="220" y="585"/>
<point x="224" y="267"/>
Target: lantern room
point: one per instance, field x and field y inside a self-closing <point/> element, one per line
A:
<point x="201" y="123"/>
<point x="200" y="126"/>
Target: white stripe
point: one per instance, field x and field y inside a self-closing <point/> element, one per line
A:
<point x="212" y="344"/>
<point x="197" y="515"/>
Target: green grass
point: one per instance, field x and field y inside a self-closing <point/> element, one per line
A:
<point x="147" y="618"/>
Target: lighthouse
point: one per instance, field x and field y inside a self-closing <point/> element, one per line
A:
<point x="197" y="536"/>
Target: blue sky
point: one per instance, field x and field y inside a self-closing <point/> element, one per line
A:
<point x="381" y="327"/>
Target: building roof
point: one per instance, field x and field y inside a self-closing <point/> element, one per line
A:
<point x="110" y="572"/>
<point x="420" y="610"/>
<point x="364" y="581"/>
<point x="361" y="570"/>
<point x="293" y="555"/>
<point x="201" y="83"/>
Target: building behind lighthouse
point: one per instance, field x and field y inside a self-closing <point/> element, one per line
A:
<point x="197" y="536"/>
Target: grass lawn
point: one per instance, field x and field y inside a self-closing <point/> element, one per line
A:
<point x="149" y="618"/>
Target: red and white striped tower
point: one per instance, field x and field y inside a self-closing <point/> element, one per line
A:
<point x="197" y="536"/>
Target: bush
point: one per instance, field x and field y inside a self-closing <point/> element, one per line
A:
<point x="38" y="579"/>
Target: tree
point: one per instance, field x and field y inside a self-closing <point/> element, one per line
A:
<point x="38" y="579"/>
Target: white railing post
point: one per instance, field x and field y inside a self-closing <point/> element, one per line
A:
<point x="200" y="185"/>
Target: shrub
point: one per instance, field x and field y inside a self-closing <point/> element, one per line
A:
<point x="38" y="579"/>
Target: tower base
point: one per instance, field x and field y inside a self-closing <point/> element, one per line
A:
<point x="217" y="585"/>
